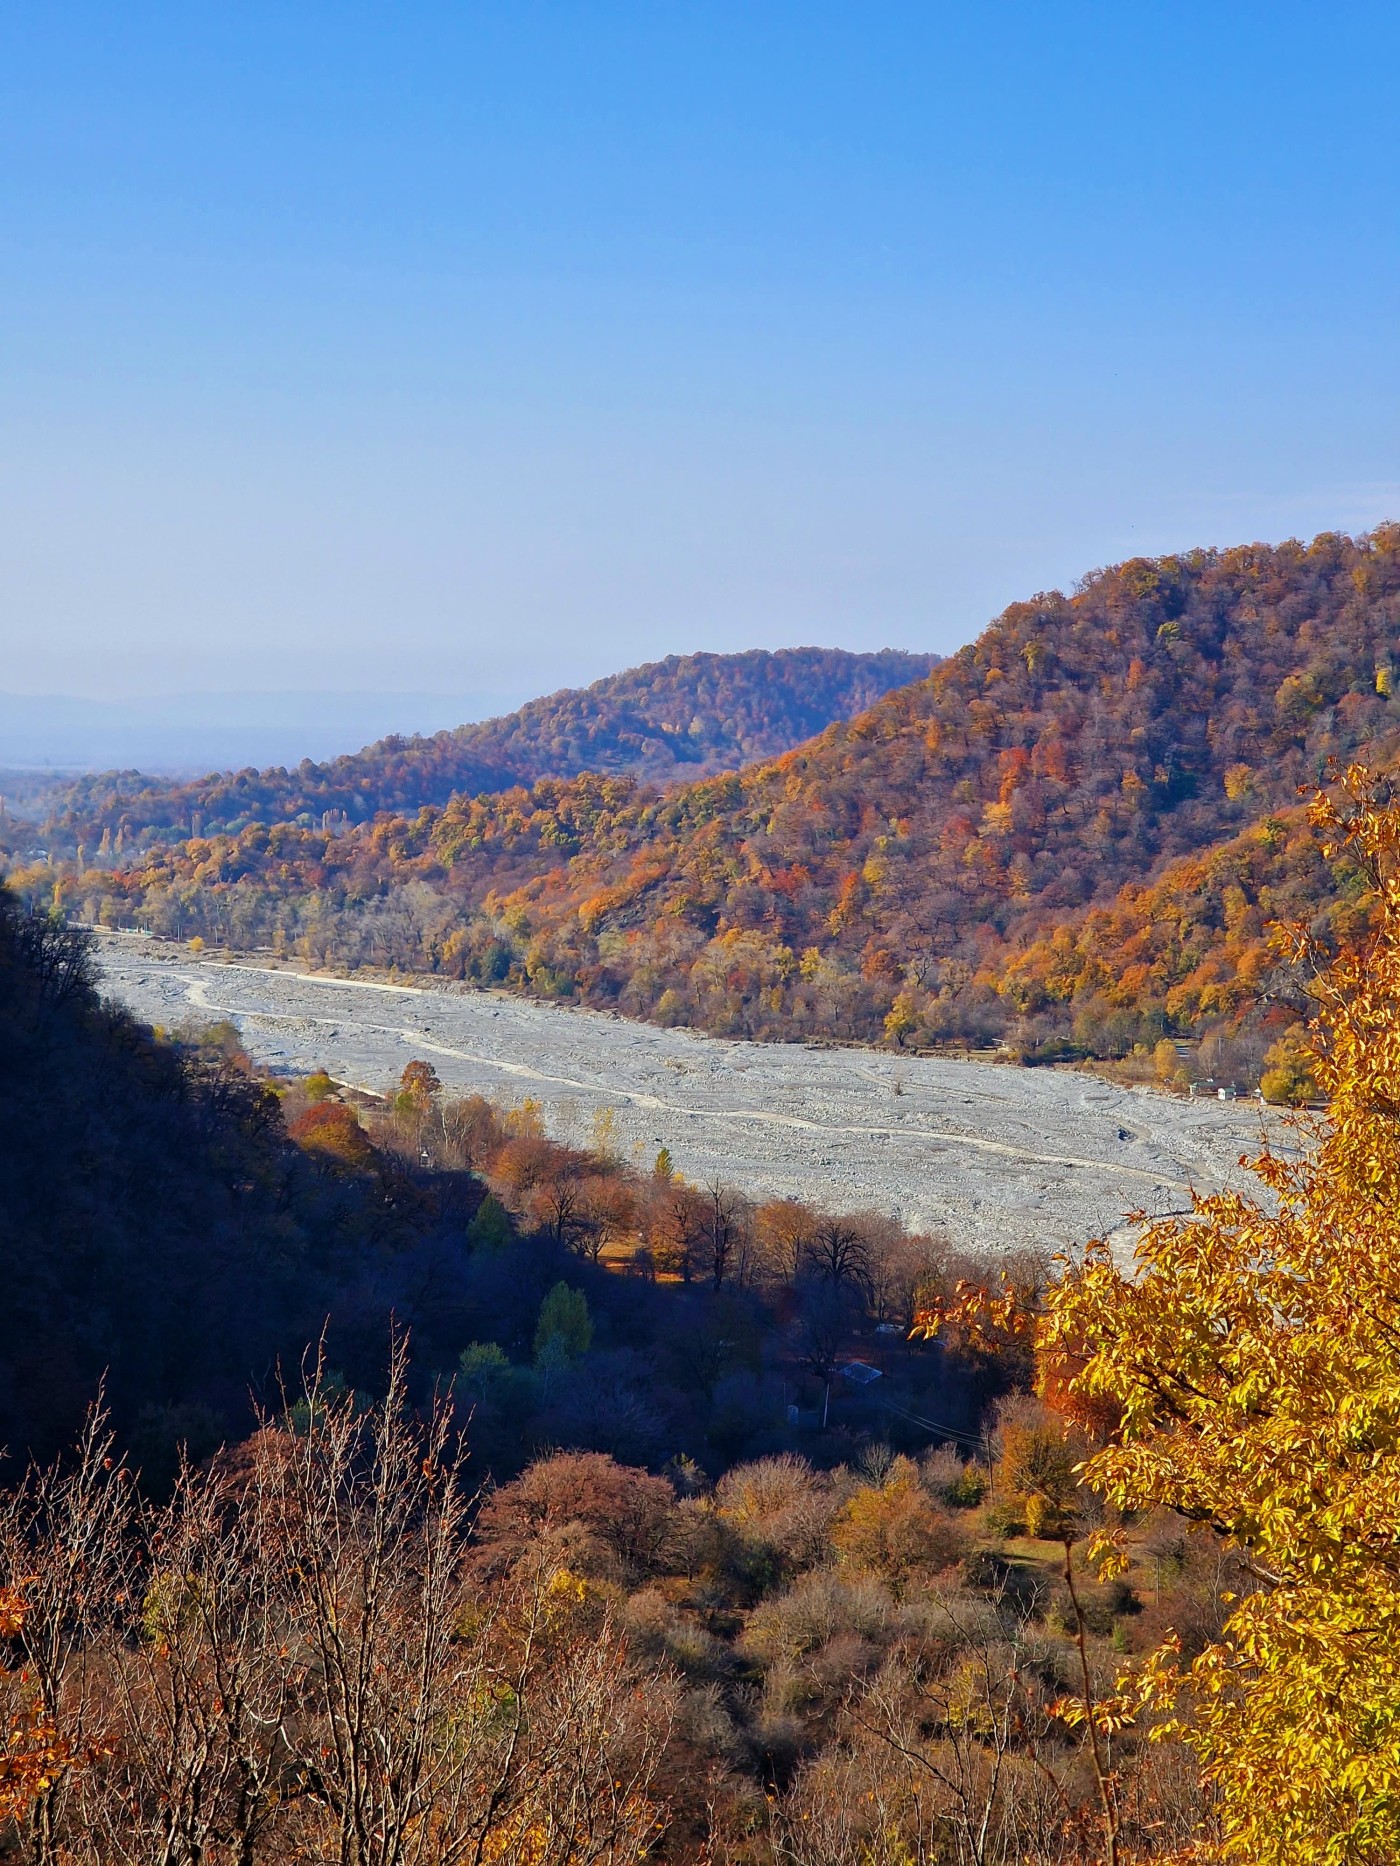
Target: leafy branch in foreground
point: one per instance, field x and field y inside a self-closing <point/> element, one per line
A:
<point x="1252" y="1361"/>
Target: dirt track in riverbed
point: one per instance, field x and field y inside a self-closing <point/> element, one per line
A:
<point x="991" y="1154"/>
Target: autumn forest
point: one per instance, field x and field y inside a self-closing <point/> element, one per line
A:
<point x="391" y="1481"/>
<point x="1070" y="839"/>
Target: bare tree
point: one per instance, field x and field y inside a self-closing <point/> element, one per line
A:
<point x="958" y="1729"/>
<point x="64" y="1550"/>
<point x="201" y="1701"/>
<point x="292" y="1661"/>
<point x="726" y="1228"/>
<point x="952" y="1755"/>
<point x="822" y="1332"/>
<point x="365" y="1516"/>
<point x="838" y="1253"/>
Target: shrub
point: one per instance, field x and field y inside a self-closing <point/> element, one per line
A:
<point x="781" y="1505"/>
<point x="817" y="1608"/>
<point x="620" y="1509"/>
<point x="949" y="1479"/>
<point x="896" y="1532"/>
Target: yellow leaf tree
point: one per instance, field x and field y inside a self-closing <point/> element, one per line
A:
<point x="1253" y="1359"/>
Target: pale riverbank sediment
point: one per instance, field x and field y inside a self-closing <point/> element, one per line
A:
<point x="992" y="1155"/>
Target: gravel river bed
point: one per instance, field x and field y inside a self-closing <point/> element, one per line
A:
<point x="990" y="1154"/>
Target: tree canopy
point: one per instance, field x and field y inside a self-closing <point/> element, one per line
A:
<point x="1251" y="1362"/>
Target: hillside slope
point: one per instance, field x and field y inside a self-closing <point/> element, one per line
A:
<point x="894" y="869"/>
<point x="156" y="1229"/>
<point x="672" y="719"/>
<point x="893" y="875"/>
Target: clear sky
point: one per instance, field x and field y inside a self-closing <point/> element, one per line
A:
<point x="496" y="347"/>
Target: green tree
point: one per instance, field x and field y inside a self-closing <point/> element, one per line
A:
<point x="485" y="1368"/>
<point x="490" y="1229"/>
<point x="564" y="1331"/>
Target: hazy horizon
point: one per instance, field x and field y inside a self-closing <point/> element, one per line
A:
<point x="206" y="731"/>
<point x="196" y="732"/>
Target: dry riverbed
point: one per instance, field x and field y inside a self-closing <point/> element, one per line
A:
<point x="990" y="1154"/>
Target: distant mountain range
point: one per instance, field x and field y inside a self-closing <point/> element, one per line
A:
<point x="1070" y="835"/>
<point x="682" y="717"/>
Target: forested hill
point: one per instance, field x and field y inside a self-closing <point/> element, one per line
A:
<point x="679" y="718"/>
<point x="898" y="865"/>
<point x="930" y="870"/>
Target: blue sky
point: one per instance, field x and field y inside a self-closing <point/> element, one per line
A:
<point x="490" y="348"/>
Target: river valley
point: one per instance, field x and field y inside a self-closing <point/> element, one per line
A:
<point x="989" y="1154"/>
